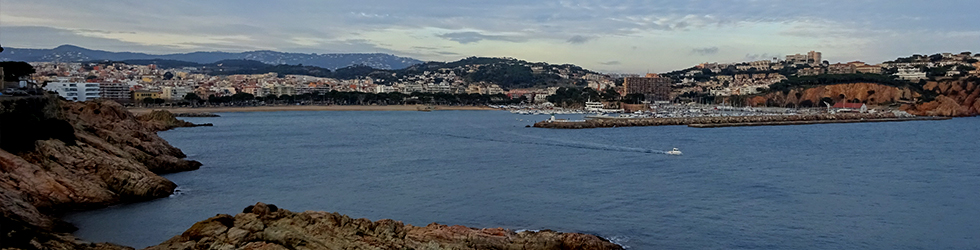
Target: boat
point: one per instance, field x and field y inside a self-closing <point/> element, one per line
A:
<point x="674" y="151"/>
<point x="426" y="108"/>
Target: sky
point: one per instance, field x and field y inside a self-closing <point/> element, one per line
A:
<point x="614" y="36"/>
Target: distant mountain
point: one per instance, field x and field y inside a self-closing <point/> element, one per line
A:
<point x="70" y="53"/>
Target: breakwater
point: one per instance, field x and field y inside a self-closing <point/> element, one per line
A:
<point x="731" y="121"/>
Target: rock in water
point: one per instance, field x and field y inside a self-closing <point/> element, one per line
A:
<point x="265" y="227"/>
<point x="162" y="120"/>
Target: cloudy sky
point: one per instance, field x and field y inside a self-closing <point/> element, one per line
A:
<point x="627" y="36"/>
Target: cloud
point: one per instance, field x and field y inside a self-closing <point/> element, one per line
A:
<point x="757" y="57"/>
<point x="579" y="39"/>
<point x="705" y="51"/>
<point x="472" y="37"/>
<point x="48" y="37"/>
<point x="611" y="63"/>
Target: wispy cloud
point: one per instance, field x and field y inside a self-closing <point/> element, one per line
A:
<point x="579" y="39"/>
<point x="705" y="51"/>
<point x="472" y="37"/>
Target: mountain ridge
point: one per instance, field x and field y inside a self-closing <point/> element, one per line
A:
<point x="72" y="53"/>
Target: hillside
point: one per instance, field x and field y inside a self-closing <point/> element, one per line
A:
<point x="508" y="73"/>
<point x="70" y="53"/>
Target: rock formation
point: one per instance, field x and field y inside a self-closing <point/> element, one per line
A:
<point x="268" y="227"/>
<point x="949" y="97"/>
<point x="161" y="120"/>
<point x="59" y="156"/>
<point x="954" y="98"/>
<point x="870" y="93"/>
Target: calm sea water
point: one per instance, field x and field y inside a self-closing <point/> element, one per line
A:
<point x="908" y="185"/>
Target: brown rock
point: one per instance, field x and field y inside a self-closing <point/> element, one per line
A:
<point x="321" y="230"/>
<point x="106" y="157"/>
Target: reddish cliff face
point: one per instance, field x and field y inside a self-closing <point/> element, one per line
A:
<point x="952" y="97"/>
<point x="870" y="93"/>
<point x="64" y="156"/>
<point x="955" y="98"/>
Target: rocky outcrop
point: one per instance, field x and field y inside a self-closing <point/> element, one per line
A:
<point x="869" y="93"/>
<point x="60" y="156"/>
<point x="267" y="227"/>
<point x="954" y="98"/>
<point x="949" y="97"/>
<point x="161" y="120"/>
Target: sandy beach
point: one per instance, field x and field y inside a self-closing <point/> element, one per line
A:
<point x="302" y="108"/>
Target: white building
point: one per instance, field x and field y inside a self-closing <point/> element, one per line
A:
<point x="384" y="89"/>
<point x="910" y="74"/>
<point x="174" y="93"/>
<point x="74" y="91"/>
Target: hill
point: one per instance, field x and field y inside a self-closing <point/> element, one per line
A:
<point x="70" y="53"/>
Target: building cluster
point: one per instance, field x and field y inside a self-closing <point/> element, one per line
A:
<point x="136" y="83"/>
<point x="721" y="79"/>
<point x="955" y="65"/>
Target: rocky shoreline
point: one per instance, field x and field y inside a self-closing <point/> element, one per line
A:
<point x="58" y="156"/>
<point x="265" y="226"/>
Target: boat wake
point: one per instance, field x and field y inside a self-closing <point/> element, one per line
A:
<point x="539" y="141"/>
<point x="557" y="143"/>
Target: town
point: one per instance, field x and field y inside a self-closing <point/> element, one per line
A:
<point x="492" y="78"/>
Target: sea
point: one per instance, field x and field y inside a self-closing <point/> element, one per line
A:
<point x="895" y="185"/>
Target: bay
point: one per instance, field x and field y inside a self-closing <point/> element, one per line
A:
<point x="905" y="185"/>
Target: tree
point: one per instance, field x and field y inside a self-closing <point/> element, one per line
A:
<point x="168" y="76"/>
<point x="13" y="71"/>
<point x="610" y="94"/>
<point x="192" y="97"/>
<point x="634" y="98"/>
<point x="148" y="100"/>
<point x="806" y="104"/>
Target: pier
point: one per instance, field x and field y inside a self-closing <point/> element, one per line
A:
<point x="733" y="121"/>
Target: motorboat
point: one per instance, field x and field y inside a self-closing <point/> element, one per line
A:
<point x="674" y="151"/>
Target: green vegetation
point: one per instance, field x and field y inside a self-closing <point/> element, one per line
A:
<point x="361" y="98"/>
<point x="507" y="72"/>
<point x="12" y="71"/>
<point x="573" y="97"/>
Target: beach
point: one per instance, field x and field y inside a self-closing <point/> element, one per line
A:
<point x="143" y="110"/>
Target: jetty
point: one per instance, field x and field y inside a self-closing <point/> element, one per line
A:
<point x="733" y="121"/>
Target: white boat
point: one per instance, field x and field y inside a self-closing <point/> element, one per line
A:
<point x="674" y="152"/>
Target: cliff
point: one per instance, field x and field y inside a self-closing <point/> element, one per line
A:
<point x="870" y="93"/>
<point x="268" y="227"/>
<point x="954" y="98"/>
<point x="58" y="156"/>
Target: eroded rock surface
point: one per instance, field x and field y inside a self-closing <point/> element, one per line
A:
<point x="265" y="226"/>
<point x="60" y="156"/>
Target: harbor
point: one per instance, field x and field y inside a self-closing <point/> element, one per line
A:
<point x="732" y="121"/>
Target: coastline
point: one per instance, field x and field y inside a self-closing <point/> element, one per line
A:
<point x="142" y="110"/>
